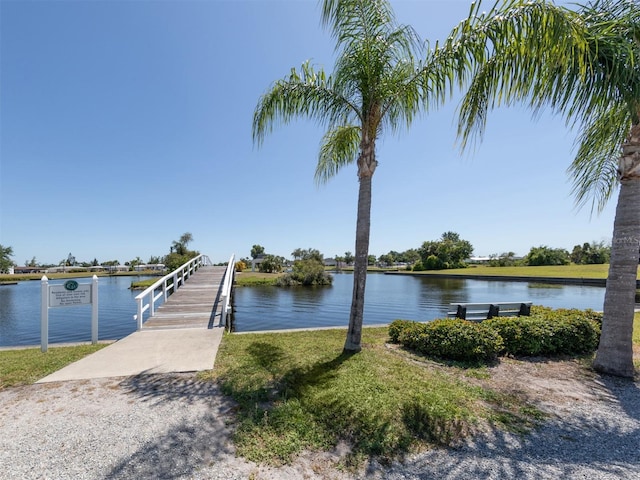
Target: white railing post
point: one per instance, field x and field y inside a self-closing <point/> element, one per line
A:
<point x="146" y="300"/>
<point x="227" y="285"/>
<point x="94" y="310"/>
<point x="44" y="314"/>
<point x="138" y="317"/>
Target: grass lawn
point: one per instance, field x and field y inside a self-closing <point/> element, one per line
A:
<point x="566" y="271"/>
<point x="26" y="366"/>
<point x="144" y="284"/>
<point x="298" y="391"/>
<point x="251" y="279"/>
<point x="52" y="276"/>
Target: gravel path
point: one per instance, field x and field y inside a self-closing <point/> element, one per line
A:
<point x="172" y="426"/>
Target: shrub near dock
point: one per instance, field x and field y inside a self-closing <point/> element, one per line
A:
<point x="545" y="332"/>
<point x="449" y="338"/>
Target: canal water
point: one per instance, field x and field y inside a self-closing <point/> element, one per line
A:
<point x="20" y="313"/>
<point x="389" y="297"/>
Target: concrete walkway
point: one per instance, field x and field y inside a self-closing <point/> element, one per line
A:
<point x="147" y="351"/>
<point x="183" y="336"/>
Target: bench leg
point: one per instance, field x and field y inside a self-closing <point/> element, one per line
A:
<point x="494" y="310"/>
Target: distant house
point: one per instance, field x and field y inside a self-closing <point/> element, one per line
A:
<point x="17" y="270"/>
<point x="156" y="267"/>
<point x="479" y="259"/>
<point x="330" y="262"/>
<point x="66" y="268"/>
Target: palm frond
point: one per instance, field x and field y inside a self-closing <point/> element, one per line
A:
<point x="354" y="20"/>
<point x="595" y="167"/>
<point x="520" y="52"/>
<point x="307" y="93"/>
<point x="340" y="146"/>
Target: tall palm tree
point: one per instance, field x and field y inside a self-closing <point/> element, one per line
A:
<point x="378" y="84"/>
<point x="584" y="64"/>
<point x="186" y="238"/>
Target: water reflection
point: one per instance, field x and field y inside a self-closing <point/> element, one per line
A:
<point x="20" y="313"/>
<point x="390" y="297"/>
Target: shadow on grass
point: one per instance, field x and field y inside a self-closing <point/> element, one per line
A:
<point x="322" y="399"/>
<point x="267" y="356"/>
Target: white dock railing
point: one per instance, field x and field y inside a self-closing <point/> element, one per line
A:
<point x="162" y="288"/>
<point x="225" y="295"/>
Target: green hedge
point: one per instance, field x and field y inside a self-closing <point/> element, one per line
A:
<point x="549" y="332"/>
<point x="545" y="332"/>
<point x="449" y="339"/>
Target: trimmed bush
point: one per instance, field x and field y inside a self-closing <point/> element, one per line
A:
<point x="412" y="335"/>
<point x="461" y="340"/>
<point x="545" y="332"/>
<point x="397" y="327"/>
<point x="549" y="332"/>
<point x="451" y="339"/>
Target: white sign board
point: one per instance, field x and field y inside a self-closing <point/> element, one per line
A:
<point x="70" y="294"/>
<point x="60" y="296"/>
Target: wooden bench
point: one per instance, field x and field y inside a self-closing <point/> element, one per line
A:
<point x="483" y="311"/>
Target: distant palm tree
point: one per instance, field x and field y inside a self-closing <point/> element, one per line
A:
<point x="186" y="238"/>
<point x="180" y="246"/>
<point x="380" y="82"/>
<point x="584" y="64"/>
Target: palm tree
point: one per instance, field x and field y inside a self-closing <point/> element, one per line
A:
<point x="185" y="239"/>
<point x="378" y="84"/>
<point x="583" y="64"/>
<point x="180" y="246"/>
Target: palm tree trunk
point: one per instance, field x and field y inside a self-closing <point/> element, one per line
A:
<point x="363" y="227"/>
<point x="615" y="352"/>
<point x="366" y="167"/>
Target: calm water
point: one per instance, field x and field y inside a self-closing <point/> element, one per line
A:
<point x="268" y="308"/>
<point x="20" y="313"/>
<point x="389" y="297"/>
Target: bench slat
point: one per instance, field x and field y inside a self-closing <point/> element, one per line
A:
<point x="483" y="311"/>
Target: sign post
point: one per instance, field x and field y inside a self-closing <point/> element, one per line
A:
<point x="69" y="294"/>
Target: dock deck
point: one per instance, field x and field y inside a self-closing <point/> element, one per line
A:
<point x="194" y="305"/>
<point x="183" y="336"/>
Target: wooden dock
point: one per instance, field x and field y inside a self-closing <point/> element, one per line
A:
<point x="194" y="305"/>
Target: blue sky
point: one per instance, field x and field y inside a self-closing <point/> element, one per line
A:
<point x="124" y="124"/>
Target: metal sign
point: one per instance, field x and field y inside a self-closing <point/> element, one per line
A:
<point x="69" y="294"/>
<point x="62" y="296"/>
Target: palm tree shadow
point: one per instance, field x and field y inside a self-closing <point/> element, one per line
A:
<point x="197" y="434"/>
<point x="625" y="391"/>
<point x="271" y="357"/>
<point x="161" y="388"/>
<point x="179" y="451"/>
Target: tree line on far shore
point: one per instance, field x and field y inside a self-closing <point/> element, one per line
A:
<point x="449" y="251"/>
<point x="178" y="255"/>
